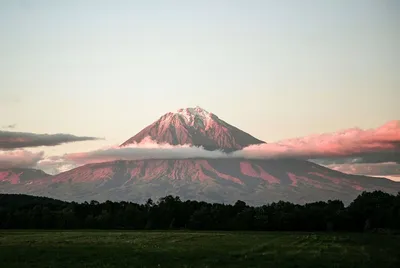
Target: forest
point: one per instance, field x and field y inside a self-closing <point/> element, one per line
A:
<point x="370" y="211"/>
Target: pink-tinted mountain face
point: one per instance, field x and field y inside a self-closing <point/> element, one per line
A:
<point x="215" y="180"/>
<point x="195" y="126"/>
<point x="21" y="175"/>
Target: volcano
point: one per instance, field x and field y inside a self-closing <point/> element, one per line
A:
<point x="224" y="180"/>
<point x="197" y="127"/>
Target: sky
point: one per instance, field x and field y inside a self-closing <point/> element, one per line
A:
<point x="275" y="69"/>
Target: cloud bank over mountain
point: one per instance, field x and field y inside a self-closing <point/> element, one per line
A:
<point x="148" y="150"/>
<point x="367" y="146"/>
<point x="368" y="152"/>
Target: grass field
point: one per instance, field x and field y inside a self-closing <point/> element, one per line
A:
<point x="195" y="249"/>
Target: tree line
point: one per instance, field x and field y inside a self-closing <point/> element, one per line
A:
<point x="369" y="211"/>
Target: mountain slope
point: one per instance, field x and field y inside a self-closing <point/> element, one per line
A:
<point x="21" y="175"/>
<point x="195" y="126"/>
<point x="214" y="180"/>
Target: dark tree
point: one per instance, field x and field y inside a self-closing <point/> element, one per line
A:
<point x="370" y="211"/>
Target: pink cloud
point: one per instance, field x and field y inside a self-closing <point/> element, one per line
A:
<point x="19" y="158"/>
<point x="345" y="143"/>
<point x="347" y="147"/>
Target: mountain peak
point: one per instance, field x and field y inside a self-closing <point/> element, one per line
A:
<point x="197" y="110"/>
<point x="196" y="117"/>
<point x="195" y="126"/>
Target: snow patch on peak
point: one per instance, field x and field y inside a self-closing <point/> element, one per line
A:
<point x="194" y="111"/>
<point x="196" y="116"/>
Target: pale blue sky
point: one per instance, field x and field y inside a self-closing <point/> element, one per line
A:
<point x="275" y="69"/>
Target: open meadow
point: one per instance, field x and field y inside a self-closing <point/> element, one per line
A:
<point x="100" y="249"/>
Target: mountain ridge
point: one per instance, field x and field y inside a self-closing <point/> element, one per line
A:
<point x="213" y="180"/>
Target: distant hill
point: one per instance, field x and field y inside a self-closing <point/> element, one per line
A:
<point x="21" y="175"/>
<point x="23" y="200"/>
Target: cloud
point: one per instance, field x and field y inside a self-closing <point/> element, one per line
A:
<point x="369" y="152"/>
<point x="364" y="146"/>
<point x="14" y="140"/>
<point x="20" y="159"/>
<point x="351" y="146"/>
<point x="26" y="159"/>
<point x="12" y="126"/>
<point x="147" y="149"/>
<point x="371" y="169"/>
<point x="390" y="177"/>
<point x="55" y="164"/>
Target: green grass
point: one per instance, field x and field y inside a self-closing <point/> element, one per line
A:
<point x="102" y="249"/>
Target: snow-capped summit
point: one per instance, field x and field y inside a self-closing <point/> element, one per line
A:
<point x="190" y="113"/>
<point x="196" y="117"/>
<point x="195" y="126"/>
